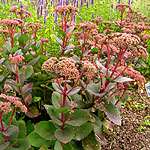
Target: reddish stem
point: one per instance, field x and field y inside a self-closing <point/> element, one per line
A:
<point x="14" y="110"/>
<point x="42" y="48"/>
<point x="58" y="81"/>
<point x="124" y="69"/>
<point x="44" y="92"/>
<point x="2" y="129"/>
<point x="75" y="83"/>
<point x="45" y="49"/>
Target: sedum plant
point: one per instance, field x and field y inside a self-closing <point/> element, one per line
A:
<point x="13" y="132"/>
<point x="89" y="87"/>
<point x="74" y="96"/>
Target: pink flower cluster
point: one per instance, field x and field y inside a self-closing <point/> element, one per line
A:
<point x="44" y="40"/>
<point x="5" y="107"/>
<point x="6" y="101"/>
<point x="17" y="59"/>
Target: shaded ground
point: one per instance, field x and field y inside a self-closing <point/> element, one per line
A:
<point x="134" y="134"/>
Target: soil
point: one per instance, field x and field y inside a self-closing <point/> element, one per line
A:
<point x="134" y="133"/>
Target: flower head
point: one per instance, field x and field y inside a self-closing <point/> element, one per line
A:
<point x="62" y="9"/>
<point x="49" y="64"/>
<point x="89" y="68"/>
<point x="6" y="101"/>
<point x="17" y="59"/>
<point x="44" y="40"/>
<point x="9" y="22"/>
<point x="13" y="9"/>
<point x="35" y="26"/>
<point x="67" y="68"/>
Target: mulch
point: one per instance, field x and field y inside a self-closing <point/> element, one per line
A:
<point x="133" y="134"/>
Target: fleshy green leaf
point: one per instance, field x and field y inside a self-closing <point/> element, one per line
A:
<point x="22" y="129"/>
<point x="46" y="130"/>
<point x="36" y="140"/>
<point x="74" y="91"/>
<point x="58" y="146"/>
<point x="90" y="143"/>
<point x="62" y="110"/>
<point x="123" y="79"/>
<point x="29" y="45"/>
<point x="21" y="77"/>
<point x="9" y="66"/>
<point x="33" y="61"/>
<point x="28" y="71"/>
<point x="56" y="100"/>
<point x="82" y="131"/>
<point x="95" y="89"/>
<point x="11" y="130"/>
<point x="4" y="146"/>
<point x="22" y="144"/>
<point x="33" y="112"/>
<point x="23" y="38"/>
<point x="58" y="40"/>
<point x="78" y="117"/>
<point x="65" y="135"/>
<point x="54" y="116"/>
<point x="98" y="130"/>
<point x="61" y="146"/>
<point x="56" y="87"/>
<point x="112" y="113"/>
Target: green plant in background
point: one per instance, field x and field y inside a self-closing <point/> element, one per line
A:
<point x="144" y="124"/>
<point x="130" y="104"/>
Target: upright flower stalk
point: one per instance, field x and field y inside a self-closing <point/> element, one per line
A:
<point x="67" y="13"/>
<point x="44" y="42"/>
<point x="67" y="71"/>
<point x="15" y="61"/>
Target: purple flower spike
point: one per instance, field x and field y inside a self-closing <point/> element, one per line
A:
<point x="67" y="2"/>
<point x="87" y="4"/>
<point x="46" y="12"/>
<point x="45" y="21"/>
<point x="92" y="1"/>
<point x="112" y="6"/>
<point x="53" y="28"/>
<point x="41" y="10"/>
<point x="81" y="19"/>
<point x="74" y="18"/>
<point x="93" y="15"/>
<point x="119" y="1"/>
<point x="81" y="3"/>
<point x="129" y="2"/>
<point x="38" y="10"/>
<point x="77" y="5"/>
<point x="55" y="19"/>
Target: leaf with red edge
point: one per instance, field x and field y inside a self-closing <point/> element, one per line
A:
<point x="112" y="113"/>
<point x="33" y="112"/>
<point x="28" y="100"/>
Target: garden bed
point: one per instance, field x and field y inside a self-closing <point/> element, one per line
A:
<point x="134" y="134"/>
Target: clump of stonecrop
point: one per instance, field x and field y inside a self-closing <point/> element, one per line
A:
<point x="83" y="85"/>
<point x="89" y="83"/>
<point x="17" y="64"/>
